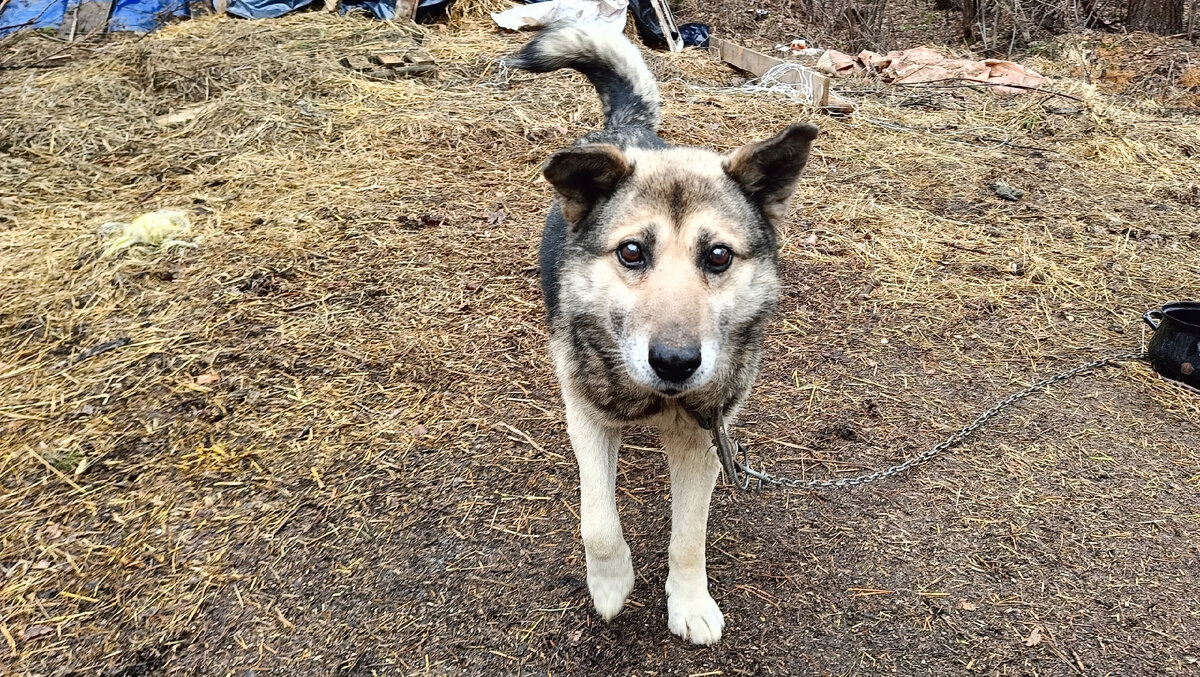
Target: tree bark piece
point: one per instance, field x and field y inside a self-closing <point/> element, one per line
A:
<point x="1164" y="17"/>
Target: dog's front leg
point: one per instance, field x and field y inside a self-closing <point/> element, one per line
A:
<point x="609" y="565"/>
<point x="691" y="612"/>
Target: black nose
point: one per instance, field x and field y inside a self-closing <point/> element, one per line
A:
<point x="674" y="363"/>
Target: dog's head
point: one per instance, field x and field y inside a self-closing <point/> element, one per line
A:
<point x="673" y="251"/>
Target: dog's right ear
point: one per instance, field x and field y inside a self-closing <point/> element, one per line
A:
<point x="769" y="170"/>
<point x="583" y="174"/>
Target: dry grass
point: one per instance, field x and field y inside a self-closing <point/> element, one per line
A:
<point x="326" y="439"/>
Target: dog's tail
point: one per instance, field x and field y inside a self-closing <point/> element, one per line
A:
<point x="614" y="66"/>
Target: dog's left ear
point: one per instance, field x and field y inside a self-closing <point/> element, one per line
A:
<point x="768" y="170"/>
<point x="582" y="175"/>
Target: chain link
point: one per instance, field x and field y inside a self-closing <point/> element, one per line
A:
<point x="739" y="471"/>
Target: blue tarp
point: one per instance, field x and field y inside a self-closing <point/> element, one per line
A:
<point x="139" y="16"/>
<point x="21" y="14"/>
<point x="265" y="9"/>
<point x="269" y="9"/>
<point x="143" y="16"/>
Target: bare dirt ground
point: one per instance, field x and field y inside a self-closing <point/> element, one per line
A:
<point x="326" y="440"/>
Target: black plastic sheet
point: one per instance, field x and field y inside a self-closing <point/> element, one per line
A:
<point x="432" y="10"/>
<point x="695" y="34"/>
<point x="646" y="22"/>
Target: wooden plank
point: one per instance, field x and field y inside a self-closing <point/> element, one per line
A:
<point x="413" y="57"/>
<point x="357" y="63"/>
<point x="66" y="30"/>
<point x="418" y="56"/>
<point x="838" y="106"/>
<point x="759" y="63"/>
<point x="416" y="69"/>
<point x="408" y="71"/>
<point x="92" y="17"/>
<point x="200" y="7"/>
<point x="741" y="57"/>
<point x="666" y="21"/>
<point x="406" y="9"/>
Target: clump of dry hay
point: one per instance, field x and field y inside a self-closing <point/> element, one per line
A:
<point x="464" y="11"/>
<point x="362" y="327"/>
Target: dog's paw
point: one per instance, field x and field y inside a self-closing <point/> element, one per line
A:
<point x="693" y="615"/>
<point x="610" y="581"/>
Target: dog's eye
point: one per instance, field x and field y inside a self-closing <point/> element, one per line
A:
<point x="630" y="255"/>
<point x="718" y="258"/>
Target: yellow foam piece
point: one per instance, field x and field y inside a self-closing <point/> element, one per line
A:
<point x="155" y="229"/>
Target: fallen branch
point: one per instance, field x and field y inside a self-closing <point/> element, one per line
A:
<point x="101" y="349"/>
<point x="953" y="83"/>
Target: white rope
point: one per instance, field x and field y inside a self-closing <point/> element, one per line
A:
<point x="503" y="74"/>
<point x="772" y="82"/>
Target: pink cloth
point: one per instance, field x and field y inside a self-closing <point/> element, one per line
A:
<point x="922" y="64"/>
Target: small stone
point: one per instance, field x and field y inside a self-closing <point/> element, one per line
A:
<point x="32" y="632"/>
<point x="1007" y="192"/>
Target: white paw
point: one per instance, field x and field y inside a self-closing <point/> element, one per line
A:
<point x="693" y="615"/>
<point x="610" y="582"/>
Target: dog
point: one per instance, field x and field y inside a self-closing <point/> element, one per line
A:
<point x="659" y="268"/>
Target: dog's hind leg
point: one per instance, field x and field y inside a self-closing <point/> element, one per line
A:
<point x="691" y="612"/>
<point x="609" y="565"/>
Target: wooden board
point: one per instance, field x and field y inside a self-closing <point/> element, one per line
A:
<point x="390" y="66"/>
<point x="666" y="21"/>
<point x="390" y="60"/>
<point x="357" y="63"/>
<point x="838" y="106"/>
<point x="93" y="17"/>
<point x="200" y="7"/>
<point x="88" y="18"/>
<point x="419" y="56"/>
<point x="413" y="57"/>
<point x="66" y="30"/>
<point x="759" y="63"/>
<point x="406" y="9"/>
<point x="412" y="70"/>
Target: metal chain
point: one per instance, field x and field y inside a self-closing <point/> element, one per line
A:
<point x="740" y="472"/>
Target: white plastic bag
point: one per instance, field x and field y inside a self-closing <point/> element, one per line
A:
<point x="605" y="13"/>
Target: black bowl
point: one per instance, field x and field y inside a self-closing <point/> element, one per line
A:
<point x="1175" y="347"/>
